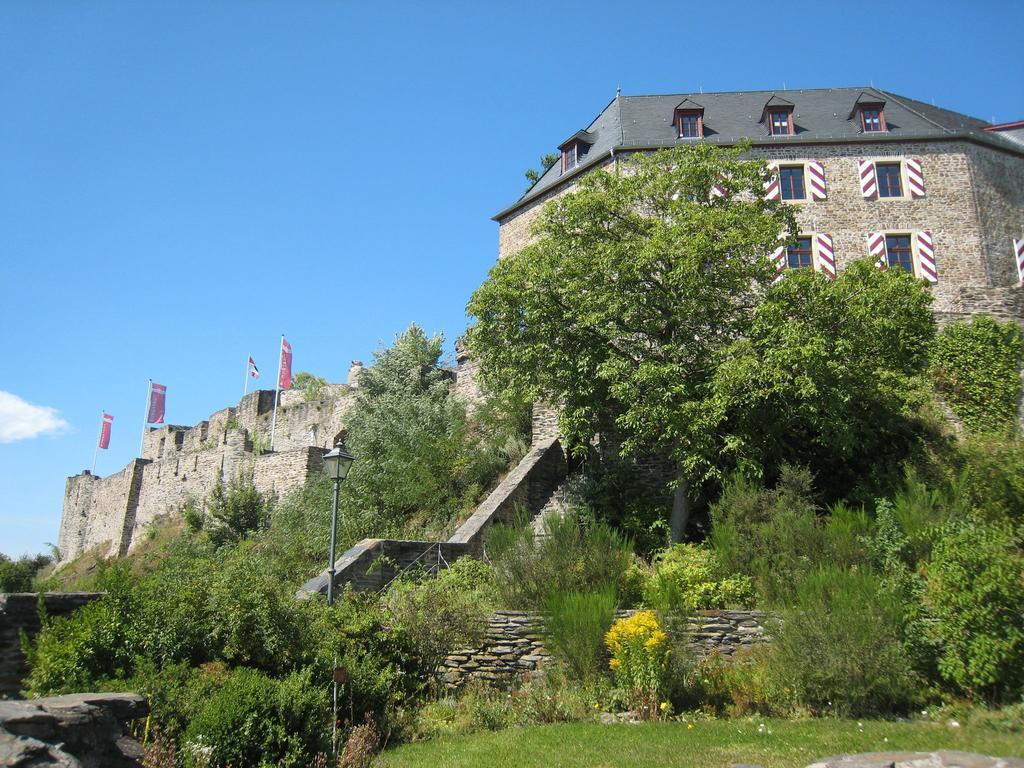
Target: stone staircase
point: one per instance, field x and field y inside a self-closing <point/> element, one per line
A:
<point x="562" y="499"/>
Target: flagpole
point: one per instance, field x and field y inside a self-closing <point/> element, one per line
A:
<point x="145" y="418"/>
<point x="277" y="393"/>
<point x="245" y="389"/>
<point x="96" y="450"/>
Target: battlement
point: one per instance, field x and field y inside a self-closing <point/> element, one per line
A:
<point x="180" y="464"/>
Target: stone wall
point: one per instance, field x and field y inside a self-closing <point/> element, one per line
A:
<point x="79" y="730"/>
<point x="183" y="464"/>
<point x="514" y="643"/>
<point x="19" y="612"/>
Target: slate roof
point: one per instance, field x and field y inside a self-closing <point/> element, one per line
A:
<point x="820" y="115"/>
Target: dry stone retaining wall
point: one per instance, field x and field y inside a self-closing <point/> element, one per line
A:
<point x="19" y="612"/>
<point x="514" y="643"/>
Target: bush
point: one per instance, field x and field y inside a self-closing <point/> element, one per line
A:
<point x="839" y="647"/>
<point x="235" y="511"/>
<point x="575" y="624"/>
<point x="640" y="655"/>
<point x="976" y="366"/>
<point x="17" y="575"/>
<point x="975" y="591"/>
<point x="772" y="536"/>
<point x="746" y="684"/>
<point x="97" y="642"/>
<point x="438" y="616"/>
<point x="254" y="618"/>
<point x="574" y="555"/>
<point x="685" y="578"/>
<point x="255" y="720"/>
<point x="382" y="660"/>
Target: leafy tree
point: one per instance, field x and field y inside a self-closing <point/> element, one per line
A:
<point x="829" y="376"/>
<point x="977" y="370"/>
<point x="546" y="161"/>
<point x="646" y="311"/>
<point x="418" y="456"/>
<point x="17" y="575"/>
<point x="619" y="309"/>
<point x="234" y="511"/>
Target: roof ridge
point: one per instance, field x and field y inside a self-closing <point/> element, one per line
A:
<point x="756" y="90"/>
<point x="898" y="99"/>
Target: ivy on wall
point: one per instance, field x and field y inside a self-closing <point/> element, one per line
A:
<point x="977" y="366"/>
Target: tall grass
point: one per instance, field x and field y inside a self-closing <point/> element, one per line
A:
<point x="575" y="624"/>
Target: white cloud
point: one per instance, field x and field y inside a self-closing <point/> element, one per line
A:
<point x="20" y="420"/>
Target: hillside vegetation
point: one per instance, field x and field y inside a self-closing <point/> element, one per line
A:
<point x="828" y="457"/>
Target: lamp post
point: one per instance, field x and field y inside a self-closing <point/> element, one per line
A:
<point x="337" y="463"/>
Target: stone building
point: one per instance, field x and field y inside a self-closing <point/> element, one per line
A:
<point x="915" y="186"/>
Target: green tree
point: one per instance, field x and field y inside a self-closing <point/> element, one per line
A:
<point x="312" y="386"/>
<point x="829" y="376"/>
<point x="619" y="309"/>
<point x="410" y="435"/>
<point x="546" y="161"/>
<point x="646" y="310"/>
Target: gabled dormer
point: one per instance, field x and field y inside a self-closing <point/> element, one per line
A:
<point x="689" y="120"/>
<point x="869" y="112"/>
<point x="777" y="115"/>
<point x="574" y="149"/>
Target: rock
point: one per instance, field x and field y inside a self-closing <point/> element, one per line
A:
<point x="941" y="759"/>
<point x="81" y="730"/>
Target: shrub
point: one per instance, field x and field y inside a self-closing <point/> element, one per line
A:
<point x="746" y="684"/>
<point x="575" y="624"/>
<point x="839" y="647"/>
<point x="976" y="366"/>
<point x="685" y="578"/>
<point x="311" y="386"/>
<point x="255" y="720"/>
<point x="382" y="660"/>
<point x="574" y="555"/>
<point x="17" y="575"/>
<point x="255" y="620"/>
<point x="771" y="535"/>
<point x="438" y="617"/>
<point x="97" y="642"/>
<point x="235" y="511"/>
<point x="975" y="591"/>
<point x="640" y="656"/>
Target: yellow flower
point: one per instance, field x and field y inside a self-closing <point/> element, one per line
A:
<point x="664" y="706"/>
<point x="689" y="726"/>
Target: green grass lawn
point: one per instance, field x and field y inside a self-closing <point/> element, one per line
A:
<point x="782" y="744"/>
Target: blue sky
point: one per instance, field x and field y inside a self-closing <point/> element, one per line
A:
<point x="182" y="182"/>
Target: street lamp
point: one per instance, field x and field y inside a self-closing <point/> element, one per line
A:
<point x="337" y="463"/>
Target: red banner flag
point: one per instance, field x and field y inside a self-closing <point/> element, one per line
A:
<point x="105" y="431"/>
<point x="284" y="381"/>
<point x="157" y="402"/>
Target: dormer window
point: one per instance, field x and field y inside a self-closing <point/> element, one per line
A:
<point x="570" y="156"/>
<point x="782" y="123"/>
<point x="871" y="120"/>
<point x="689" y="125"/>
<point x="574" y="149"/>
<point x="778" y="115"/>
<point x="689" y="120"/>
<point x="869" y="112"/>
